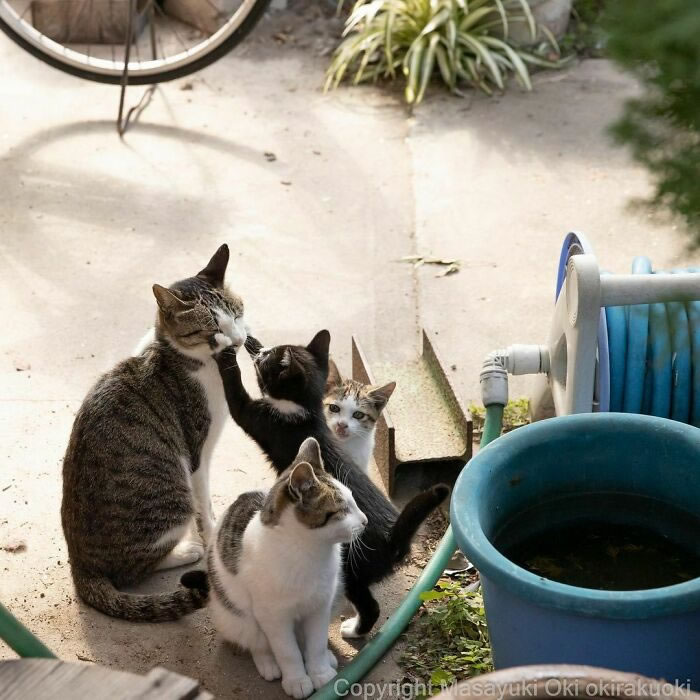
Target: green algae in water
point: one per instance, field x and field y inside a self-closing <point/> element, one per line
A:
<point x="619" y="552"/>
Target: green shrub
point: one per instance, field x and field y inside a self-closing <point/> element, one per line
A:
<point x="660" y="44"/>
<point x="463" y="41"/>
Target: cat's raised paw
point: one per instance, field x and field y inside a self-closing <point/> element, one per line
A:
<point x="222" y="341"/>
<point x="300" y="687"/>
<point x="267" y="666"/>
<point x="348" y="628"/>
<point x="321" y="676"/>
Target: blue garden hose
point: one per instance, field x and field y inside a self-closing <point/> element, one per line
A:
<point x="654" y="352"/>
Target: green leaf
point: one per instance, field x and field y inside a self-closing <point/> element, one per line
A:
<point x="441" y="677"/>
<point x="416" y="54"/>
<point x="483" y="53"/>
<point x="432" y="595"/>
<point x="471" y="19"/>
<point x="518" y="65"/>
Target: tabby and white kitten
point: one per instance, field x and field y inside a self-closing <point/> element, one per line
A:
<point x="274" y="569"/>
<point x="137" y="466"/>
<point x="352" y="410"/>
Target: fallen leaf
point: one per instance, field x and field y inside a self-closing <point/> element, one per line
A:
<point x="14" y="546"/>
<point x="451" y="265"/>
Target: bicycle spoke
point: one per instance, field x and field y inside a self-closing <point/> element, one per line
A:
<point x="173" y="24"/>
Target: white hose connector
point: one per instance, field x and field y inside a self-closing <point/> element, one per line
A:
<point x="515" y="359"/>
<point x="494" y="379"/>
<point x="527" y="359"/>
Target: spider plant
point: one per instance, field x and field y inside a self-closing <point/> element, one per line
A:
<point x="464" y="41"/>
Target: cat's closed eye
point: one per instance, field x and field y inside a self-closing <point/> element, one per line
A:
<point x="329" y="515"/>
<point x="333" y="408"/>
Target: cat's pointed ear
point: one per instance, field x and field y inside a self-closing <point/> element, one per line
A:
<point x="292" y="368"/>
<point x="301" y="480"/>
<point x="310" y="452"/>
<point x="318" y="347"/>
<point x="381" y="394"/>
<point x="168" y="302"/>
<point x="215" y="270"/>
<point x="334" y="378"/>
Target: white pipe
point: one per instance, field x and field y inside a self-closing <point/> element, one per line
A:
<point x="625" y="290"/>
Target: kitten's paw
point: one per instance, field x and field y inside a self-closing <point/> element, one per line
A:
<point x="348" y="628"/>
<point x="300" y="687"/>
<point x="319" y="677"/>
<point x="267" y="666"/>
<point x="331" y="658"/>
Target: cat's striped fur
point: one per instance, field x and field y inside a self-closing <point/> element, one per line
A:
<point x="135" y="471"/>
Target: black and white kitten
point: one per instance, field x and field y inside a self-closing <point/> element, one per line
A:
<point x="292" y="379"/>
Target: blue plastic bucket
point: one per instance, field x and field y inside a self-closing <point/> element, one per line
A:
<point x="533" y="620"/>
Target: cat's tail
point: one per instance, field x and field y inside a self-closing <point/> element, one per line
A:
<point x="100" y="592"/>
<point x="411" y="517"/>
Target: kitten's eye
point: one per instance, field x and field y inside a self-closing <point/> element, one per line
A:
<point x="189" y="335"/>
<point x="333" y="408"/>
<point x="329" y="515"/>
<point x="358" y="415"/>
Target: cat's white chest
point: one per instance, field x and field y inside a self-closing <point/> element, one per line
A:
<point x="210" y="380"/>
<point x="359" y="449"/>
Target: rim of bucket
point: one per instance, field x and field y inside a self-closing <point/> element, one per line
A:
<point x="633" y="604"/>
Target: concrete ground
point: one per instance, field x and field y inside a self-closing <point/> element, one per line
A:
<point x="88" y="223"/>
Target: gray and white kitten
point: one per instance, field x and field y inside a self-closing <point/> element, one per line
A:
<point x="274" y="570"/>
<point x="136" y="471"/>
<point x="352" y="410"/>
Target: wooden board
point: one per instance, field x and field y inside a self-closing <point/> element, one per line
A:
<point x="51" y="679"/>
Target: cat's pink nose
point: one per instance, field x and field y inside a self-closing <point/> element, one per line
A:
<point x="342" y="426"/>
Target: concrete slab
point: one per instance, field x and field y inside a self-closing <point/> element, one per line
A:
<point x="88" y="224"/>
<point x="499" y="182"/>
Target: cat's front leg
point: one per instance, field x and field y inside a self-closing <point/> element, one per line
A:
<point x="205" y="515"/>
<point x="318" y="664"/>
<point x="279" y="630"/>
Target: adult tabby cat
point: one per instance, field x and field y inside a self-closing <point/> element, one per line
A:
<point x="136" y="471"/>
<point x="292" y="379"/>
<point x="352" y="410"/>
<point x="274" y="568"/>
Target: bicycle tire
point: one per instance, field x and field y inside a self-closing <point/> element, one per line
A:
<point x="230" y="42"/>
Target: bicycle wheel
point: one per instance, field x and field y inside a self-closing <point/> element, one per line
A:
<point x="171" y="38"/>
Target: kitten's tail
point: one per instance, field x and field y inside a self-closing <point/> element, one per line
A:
<point x="411" y="517"/>
<point x="100" y="592"/>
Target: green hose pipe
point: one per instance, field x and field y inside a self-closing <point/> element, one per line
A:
<point x="19" y="638"/>
<point x="493" y="423"/>
<point x="375" y="649"/>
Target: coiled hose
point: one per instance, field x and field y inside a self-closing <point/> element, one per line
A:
<point x="375" y="649"/>
<point x="654" y="355"/>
